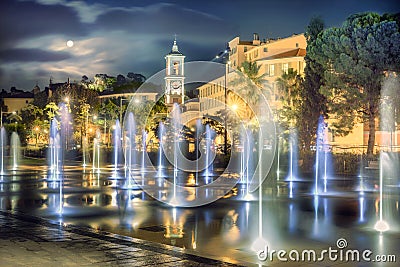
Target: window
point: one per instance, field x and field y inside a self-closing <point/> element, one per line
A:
<point x="265" y="49"/>
<point x="272" y="70"/>
<point x="144" y="97"/>
<point x="176" y="68"/>
<point x="285" y="67"/>
<point x="245" y="49"/>
<point x="297" y="44"/>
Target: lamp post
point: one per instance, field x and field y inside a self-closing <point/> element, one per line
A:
<point x="223" y="57"/>
<point x="227" y="63"/>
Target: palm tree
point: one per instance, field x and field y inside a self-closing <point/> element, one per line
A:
<point x="289" y="87"/>
<point x="248" y="83"/>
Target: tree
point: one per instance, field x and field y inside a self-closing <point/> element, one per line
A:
<point x="120" y="79"/>
<point x="51" y="110"/>
<point x="356" y="57"/>
<point x="313" y="103"/>
<point x="136" y="77"/>
<point x="290" y="89"/>
<point x="246" y="83"/>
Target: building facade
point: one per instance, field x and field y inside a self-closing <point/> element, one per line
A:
<point x="273" y="56"/>
<point x="174" y="76"/>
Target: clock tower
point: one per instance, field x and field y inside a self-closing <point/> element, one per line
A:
<point x="174" y="76"/>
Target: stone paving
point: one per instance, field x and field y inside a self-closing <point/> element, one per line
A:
<point x="30" y="241"/>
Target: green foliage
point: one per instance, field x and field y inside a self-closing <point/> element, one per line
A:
<point x="127" y="87"/>
<point x="356" y="57"/>
<point x="312" y="103"/>
<point x="248" y="82"/>
<point x="289" y="85"/>
<point x="51" y="110"/>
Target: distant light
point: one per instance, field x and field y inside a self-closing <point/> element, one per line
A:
<point x="70" y="43"/>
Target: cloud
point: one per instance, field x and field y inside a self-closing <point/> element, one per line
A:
<point x="106" y="39"/>
<point x="86" y="12"/>
<point x="24" y="20"/>
<point x="165" y="19"/>
<point x="29" y="55"/>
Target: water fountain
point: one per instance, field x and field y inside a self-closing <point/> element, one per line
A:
<point x="56" y="162"/>
<point x="15" y="150"/>
<point x="293" y="168"/>
<point x="55" y="151"/>
<point x="117" y="148"/>
<point x="389" y="166"/>
<point x="381" y="225"/>
<point x="247" y="161"/>
<point x="176" y="122"/>
<point x="96" y="153"/>
<point x="66" y="131"/>
<point x="144" y="150"/>
<point x="161" y="132"/>
<point x="199" y="132"/>
<point x="209" y="154"/>
<point x="130" y="149"/>
<point x="3" y="147"/>
<point x="322" y="158"/>
<point x="85" y="151"/>
<point x="278" y="159"/>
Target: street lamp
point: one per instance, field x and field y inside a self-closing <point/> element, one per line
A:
<point x="227" y="63"/>
<point x="223" y="57"/>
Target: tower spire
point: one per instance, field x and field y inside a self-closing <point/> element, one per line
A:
<point x="175" y="46"/>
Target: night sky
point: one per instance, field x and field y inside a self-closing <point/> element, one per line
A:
<point x="117" y="37"/>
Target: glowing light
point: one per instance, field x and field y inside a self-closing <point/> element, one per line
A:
<point x="248" y="197"/>
<point x="381" y="226"/>
<point x="259" y="244"/>
<point x="70" y="43"/>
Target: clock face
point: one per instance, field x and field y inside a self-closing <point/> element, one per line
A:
<point x="176" y="84"/>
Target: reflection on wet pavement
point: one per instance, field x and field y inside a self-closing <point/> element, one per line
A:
<point x="224" y="229"/>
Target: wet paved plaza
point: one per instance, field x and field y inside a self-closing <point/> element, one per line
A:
<point x="103" y="223"/>
<point x="31" y="241"/>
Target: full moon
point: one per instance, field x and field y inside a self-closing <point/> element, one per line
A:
<point x="70" y="43"/>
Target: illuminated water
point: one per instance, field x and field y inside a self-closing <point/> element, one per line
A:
<point x="226" y="228"/>
<point x="3" y="147"/>
<point x="15" y="150"/>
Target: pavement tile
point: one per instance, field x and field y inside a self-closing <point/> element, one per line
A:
<point x="31" y="241"/>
